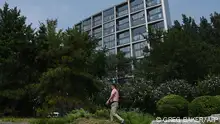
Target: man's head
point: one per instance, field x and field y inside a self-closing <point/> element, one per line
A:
<point x="113" y="86"/>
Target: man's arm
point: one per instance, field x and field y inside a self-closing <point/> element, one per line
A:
<point x="112" y="95"/>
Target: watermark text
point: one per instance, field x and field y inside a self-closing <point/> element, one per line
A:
<point x="188" y="119"/>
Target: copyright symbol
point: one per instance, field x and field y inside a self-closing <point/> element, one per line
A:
<point x="158" y="119"/>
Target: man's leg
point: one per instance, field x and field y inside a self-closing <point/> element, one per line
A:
<point x="111" y="113"/>
<point x="114" y="110"/>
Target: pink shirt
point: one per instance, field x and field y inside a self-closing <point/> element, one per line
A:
<point x="114" y="96"/>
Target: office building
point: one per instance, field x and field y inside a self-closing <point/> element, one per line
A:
<point x="121" y="27"/>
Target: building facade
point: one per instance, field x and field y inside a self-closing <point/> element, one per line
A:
<point x="122" y="27"/>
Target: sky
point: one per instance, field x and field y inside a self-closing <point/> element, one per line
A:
<point x="70" y="12"/>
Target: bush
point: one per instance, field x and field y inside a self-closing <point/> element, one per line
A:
<point x="102" y="113"/>
<point x="209" y="86"/>
<point x="172" y="106"/>
<point x="218" y="97"/>
<point x="136" y="94"/>
<point x="178" y="87"/>
<point x="136" y="117"/>
<point x="93" y="121"/>
<point x="75" y="114"/>
<point x="71" y="117"/>
<point x="204" y="106"/>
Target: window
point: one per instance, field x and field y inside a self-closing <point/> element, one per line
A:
<point x="138" y="19"/>
<point x="152" y="2"/>
<point x="97" y="20"/>
<point x="97" y="32"/>
<point x="123" y="38"/>
<point x="137" y="5"/>
<point x="110" y="52"/>
<point x="108" y="15"/>
<point x="87" y="25"/>
<point x="155" y="14"/>
<point x="122" y="10"/>
<point x="139" y="33"/>
<point x="109" y="41"/>
<point x="158" y="25"/>
<point x="123" y="24"/>
<point x="126" y="50"/>
<point x="138" y="49"/>
<point x="109" y="28"/>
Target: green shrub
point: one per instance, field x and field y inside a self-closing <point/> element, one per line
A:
<point x="136" y="118"/>
<point x="204" y="106"/>
<point x="178" y="87"/>
<point x="69" y="118"/>
<point x="75" y="114"/>
<point x="209" y="86"/>
<point x="218" y="97"/>
<point x="102" y="113"/>
<point x="172" y="106"/>
<point x="135" y="94"/>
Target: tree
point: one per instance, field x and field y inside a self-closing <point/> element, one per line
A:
<point x="69" y="74"/>
<point x="17" y="53"/>
<point x="118" y="66"/>
<point x="31" y="62"/>
<point x="185" y="53"/>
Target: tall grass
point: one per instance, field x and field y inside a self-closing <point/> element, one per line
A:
<point x="137" y="118"/>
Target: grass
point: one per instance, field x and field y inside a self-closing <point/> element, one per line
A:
<point x="137" y="118"/>
<point x="58" y="121"/>
<point x="83" y="117"/>
<point x="12" y="119"/>
<point x="93" y="121"/>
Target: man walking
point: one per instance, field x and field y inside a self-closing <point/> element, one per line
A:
<point x="113" y="101"/>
